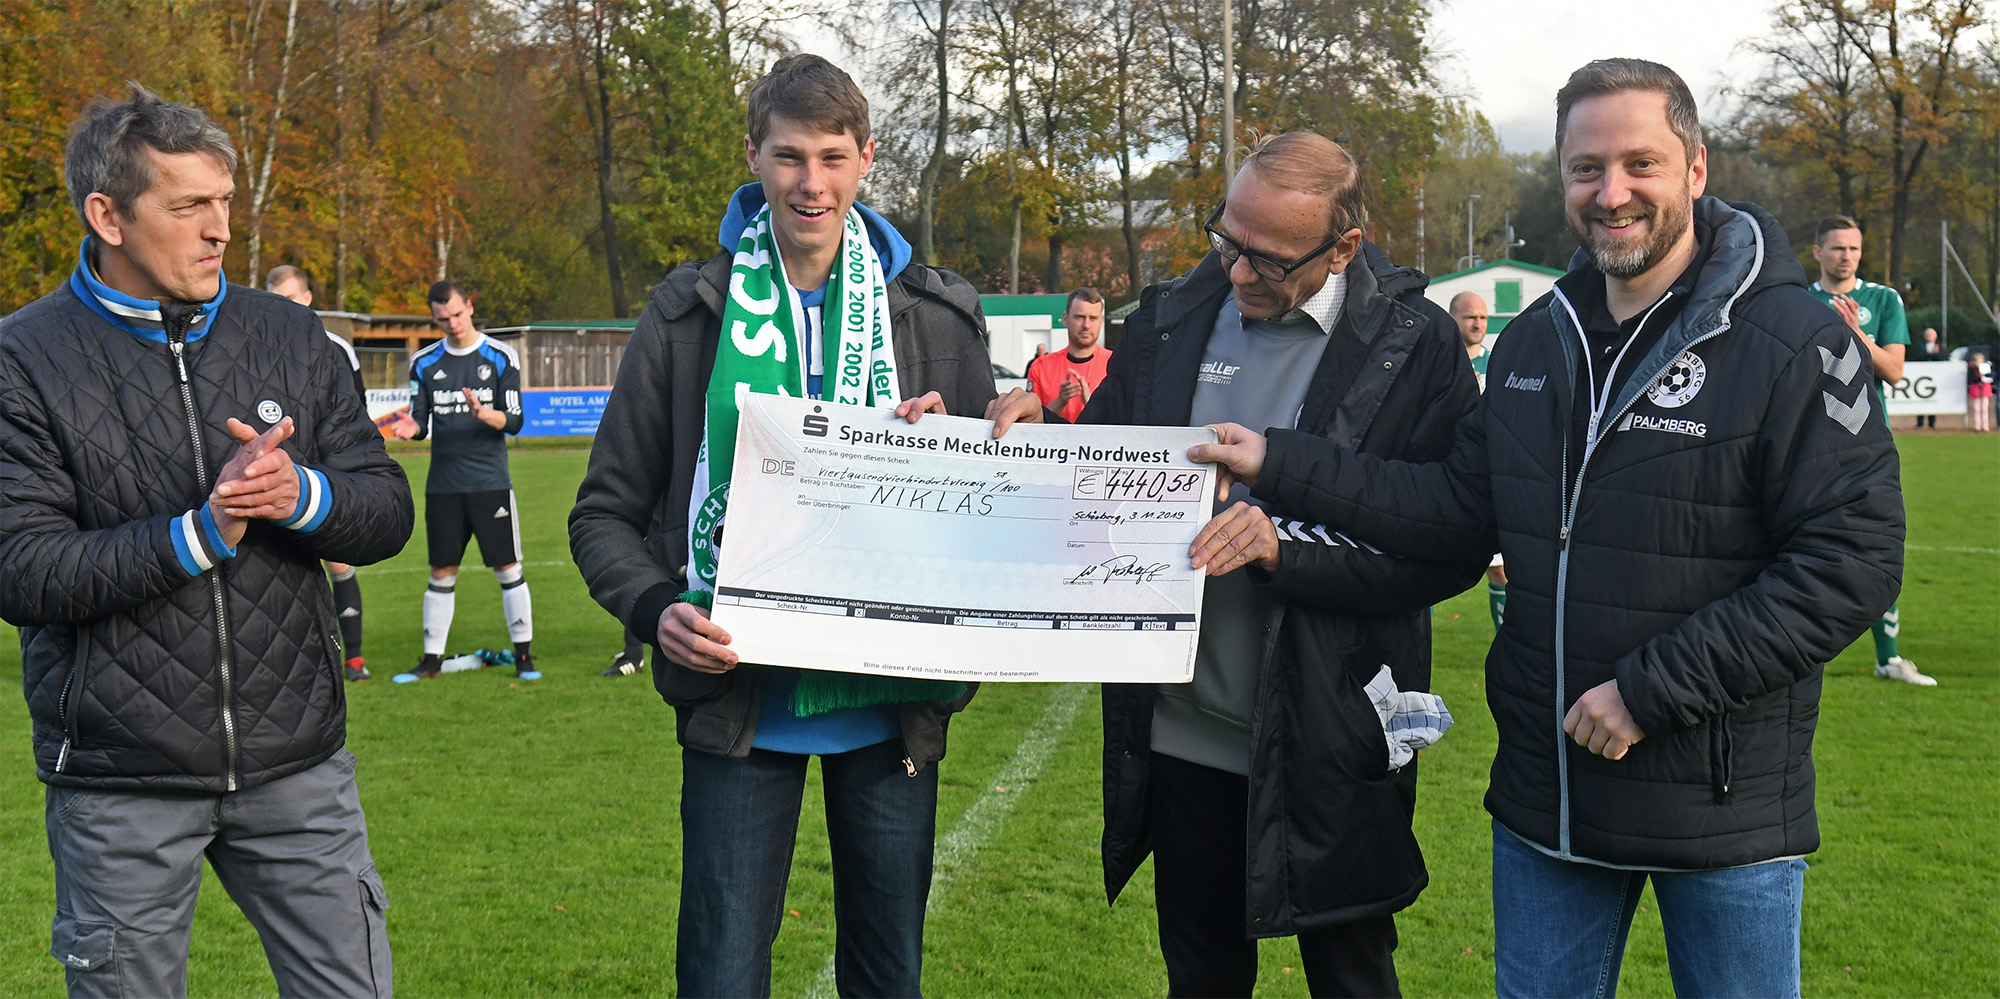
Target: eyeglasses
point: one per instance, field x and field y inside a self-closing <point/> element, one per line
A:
<point x="1266" y="267"/>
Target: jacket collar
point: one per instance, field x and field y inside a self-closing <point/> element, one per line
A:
<point x="908" y="289"/>
<point x="140" y="317"/>
<point x="1370" y="275"/>
<point x="1748" y="252"/>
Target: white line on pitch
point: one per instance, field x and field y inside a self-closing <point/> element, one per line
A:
<point x="384" y="570"/>
<point x="1955" y="549"/>
<point x="983" y="820"/>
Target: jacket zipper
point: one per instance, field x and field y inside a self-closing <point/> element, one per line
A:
<point x="1574" y="497"/>
<point x="64" y="708"/>
<point x="176" y="342"/>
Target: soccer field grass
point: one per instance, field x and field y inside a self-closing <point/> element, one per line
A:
<point x="528" y="832"/>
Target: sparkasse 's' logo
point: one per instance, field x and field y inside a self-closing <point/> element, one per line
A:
<point x="1680" y="383"/>
<point x="815" y="424"/>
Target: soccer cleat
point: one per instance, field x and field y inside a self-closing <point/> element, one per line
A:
<point x="429" y="666"/>
<point x="524" y="668"/>
<point x="625" y="665"/>
<point x="1899" y="668"/>
<point x="355" y="671"/>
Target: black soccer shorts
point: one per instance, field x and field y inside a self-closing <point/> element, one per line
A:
<point x="452" y="519"/>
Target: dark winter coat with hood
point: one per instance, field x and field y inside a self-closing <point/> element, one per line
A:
<point x="1329" y="824"/>
<point x="153" y="656"/>
<point x="1709" y="536"/>
<point x="628" y="531"/>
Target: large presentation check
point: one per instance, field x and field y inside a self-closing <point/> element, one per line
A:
<point x="860" y="543"/>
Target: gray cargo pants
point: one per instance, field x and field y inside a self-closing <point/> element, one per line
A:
<point x="292" y="853"/>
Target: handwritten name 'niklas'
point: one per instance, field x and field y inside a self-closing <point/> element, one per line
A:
<point x="932" y="500"/>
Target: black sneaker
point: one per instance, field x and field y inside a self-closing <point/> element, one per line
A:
<point x="356" y="672"/>
<point x="524" y="668"/>
<point x="624" y="664"/>
<point x="428" y="667"/>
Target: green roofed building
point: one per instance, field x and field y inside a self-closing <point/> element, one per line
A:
<point x="1508" y="286"/>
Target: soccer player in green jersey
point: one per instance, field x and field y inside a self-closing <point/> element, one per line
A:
<point x="1468" y="310"/>
<point x="1875" y="313"/>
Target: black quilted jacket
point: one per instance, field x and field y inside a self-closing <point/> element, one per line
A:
<point x="1730" y="522"/>
<point x="139" y="673"/>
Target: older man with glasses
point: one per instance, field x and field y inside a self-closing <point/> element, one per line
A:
<point x="1267" y="791"/>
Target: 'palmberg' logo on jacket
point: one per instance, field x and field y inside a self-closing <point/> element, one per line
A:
<point x="1640" y="421"/>
<point x="1515" y="381"/>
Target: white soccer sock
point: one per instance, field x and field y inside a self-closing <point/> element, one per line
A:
<point x="440" y="599"/>
<point x="515" y="604"/>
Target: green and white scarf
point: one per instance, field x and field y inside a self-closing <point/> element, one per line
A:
<point x="763" y="349"/>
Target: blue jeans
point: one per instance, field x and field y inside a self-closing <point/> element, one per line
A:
<point x="1559" y="926"/>
<point x="739" y="819"/>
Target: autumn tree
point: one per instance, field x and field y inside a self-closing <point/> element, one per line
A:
<point x="584" y="32"/>
<point x="1044" y="83"/>
<point x="1870" y="89"/>
<point x="1137" y="113"/>
<point x="687" y="143"/>
<point x="1469" y="164"/>
<point x="55" y="58"/>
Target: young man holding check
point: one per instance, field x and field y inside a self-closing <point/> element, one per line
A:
<point x="809" y="284"/>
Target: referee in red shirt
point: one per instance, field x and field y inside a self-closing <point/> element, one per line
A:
<point x="1064" y="381"/>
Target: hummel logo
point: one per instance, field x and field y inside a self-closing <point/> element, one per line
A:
<point x="1515" y="381"/>
<point x="1852" y="417"/>
<point x="1845" y="368"/>
<point x="440" y="374"/>
<point x="351" y="612"/>
<point x="500" y="514"/>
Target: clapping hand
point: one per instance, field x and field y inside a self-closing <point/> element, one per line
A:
<point x="258" y="482"/>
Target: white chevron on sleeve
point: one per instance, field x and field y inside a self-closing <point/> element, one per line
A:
<point x="1299" y="530"/>
<point x="1846" y="367"/>
<point x="1363" y="545"/>
<point x="1852" y="417"/>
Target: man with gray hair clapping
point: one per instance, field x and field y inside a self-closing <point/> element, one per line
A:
<point x="179" y="454"/>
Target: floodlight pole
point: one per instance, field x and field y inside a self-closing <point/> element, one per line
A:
<point x="1420" y="227"/>
<point x="1228" y="94"/>
<point x="1471" y="257"/>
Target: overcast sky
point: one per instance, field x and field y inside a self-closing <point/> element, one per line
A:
<point x="1508" y="57"/>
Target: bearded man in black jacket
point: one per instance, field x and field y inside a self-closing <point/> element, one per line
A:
<point x="1267" y="790"/>
<point x="1678" y="455"/>
<point x="161" y="556"/>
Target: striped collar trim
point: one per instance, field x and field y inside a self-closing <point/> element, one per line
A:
<point x="137" y="316"/>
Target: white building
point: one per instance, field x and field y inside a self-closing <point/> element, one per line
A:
<point x="1508" y="286"/>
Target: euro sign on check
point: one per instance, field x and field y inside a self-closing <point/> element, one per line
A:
<point x="860" y="543"/>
